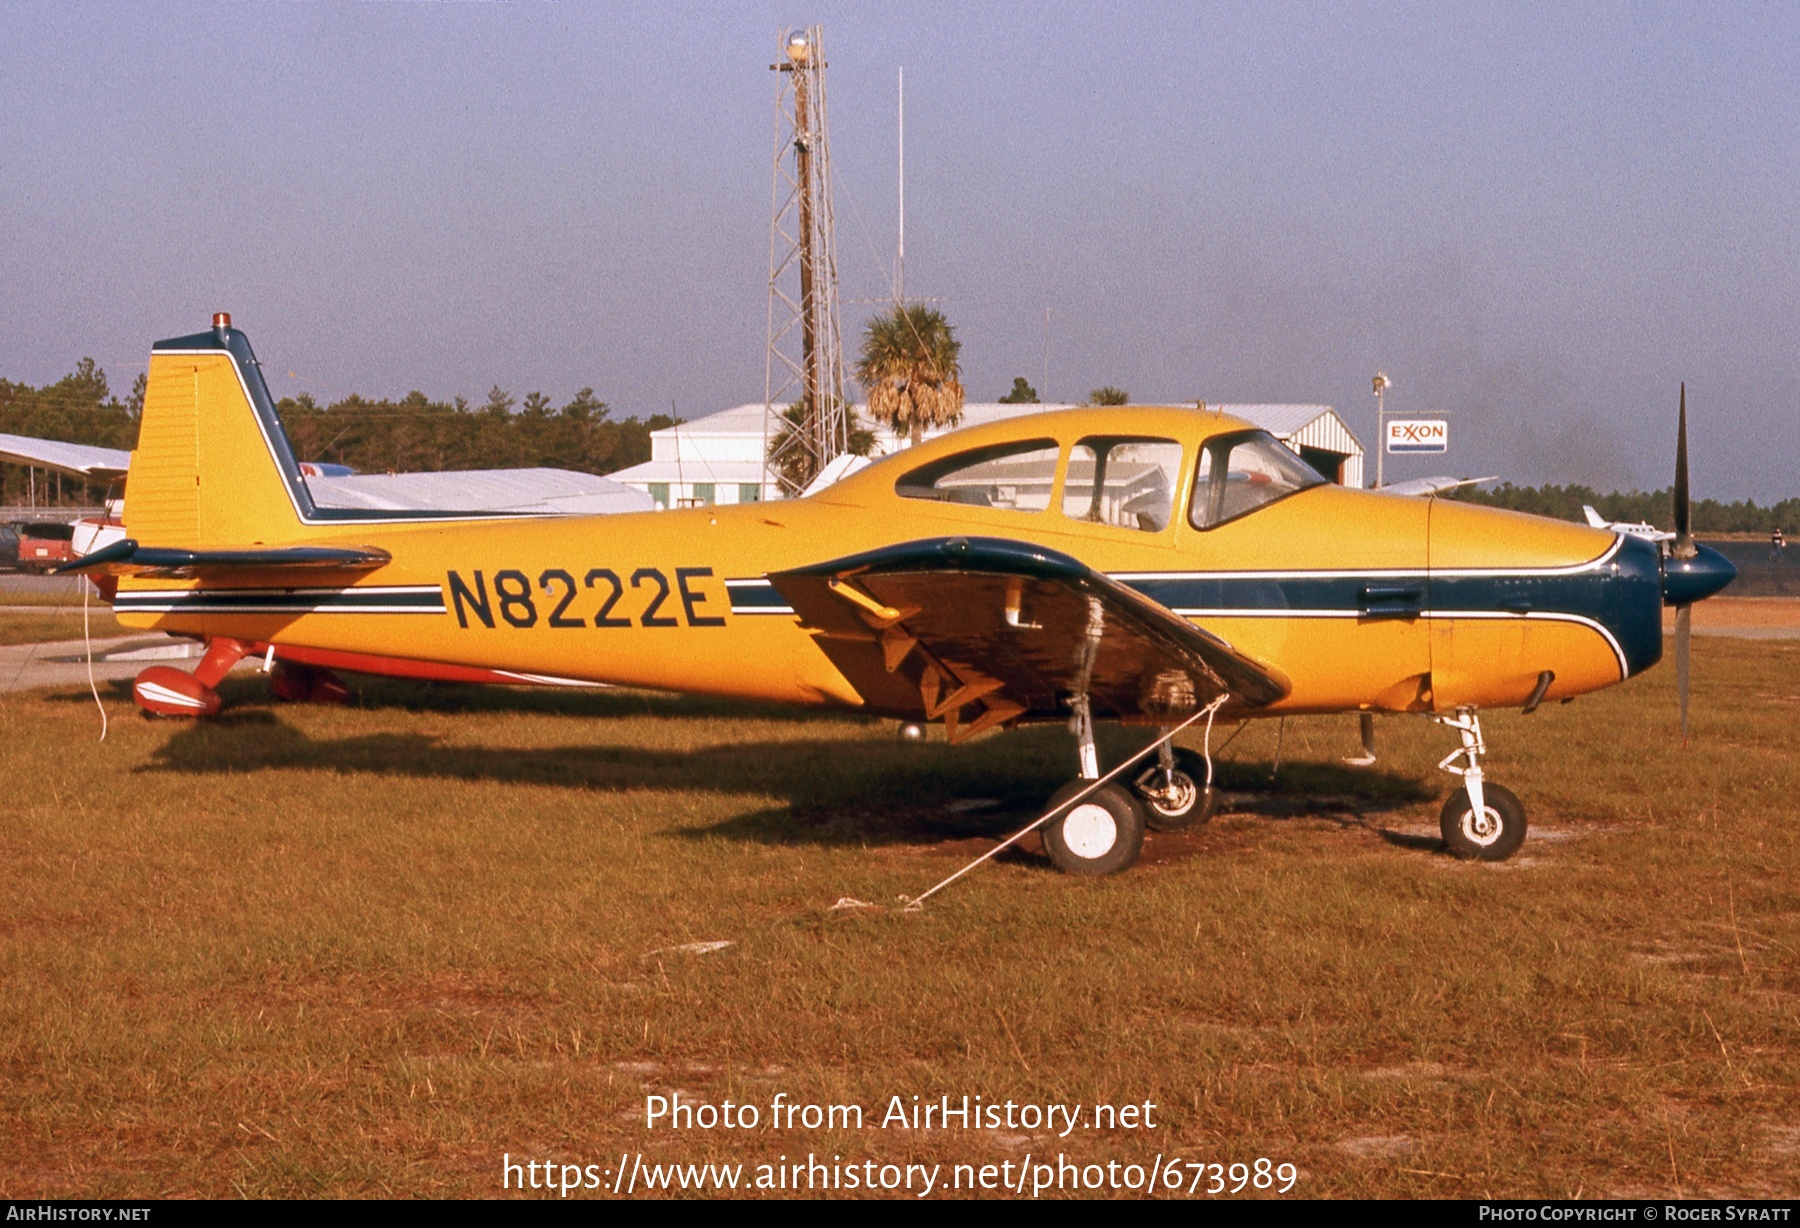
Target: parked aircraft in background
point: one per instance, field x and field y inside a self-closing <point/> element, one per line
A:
<point x="1147" y="565"/>
<point x="1643" y="529"/>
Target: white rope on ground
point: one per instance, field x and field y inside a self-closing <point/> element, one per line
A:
<point x="88" y="640"/>
<point x="918" y="902"/>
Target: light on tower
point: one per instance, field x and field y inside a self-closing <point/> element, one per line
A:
<point x="799" y="48"/>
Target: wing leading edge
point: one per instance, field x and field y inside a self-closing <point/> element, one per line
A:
<point x="940" y="625"/>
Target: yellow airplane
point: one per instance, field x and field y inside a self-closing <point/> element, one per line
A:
<point x="1145" y="565"/>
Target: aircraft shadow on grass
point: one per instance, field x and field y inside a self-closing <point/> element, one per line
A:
<point x="378" y="694"/>
<point x="838" y="791"/>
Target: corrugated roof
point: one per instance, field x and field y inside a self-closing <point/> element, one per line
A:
<point x="547" y="492"/>
<point x="1277" y="419"/>
<point x="694" y="471"/>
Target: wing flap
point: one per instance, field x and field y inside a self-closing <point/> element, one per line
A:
<point x="936" y="626"/>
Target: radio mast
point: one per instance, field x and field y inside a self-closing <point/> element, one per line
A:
<point x="802" y="248"/>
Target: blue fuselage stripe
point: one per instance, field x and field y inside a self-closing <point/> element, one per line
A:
<point x="756" y="596"/>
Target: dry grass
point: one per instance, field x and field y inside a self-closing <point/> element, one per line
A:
<point x="56" y="624"/>
<point x="65" y="594"/>
<point x="333" y="952"/>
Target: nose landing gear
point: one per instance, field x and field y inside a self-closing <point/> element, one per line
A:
<point x="1480" y="821"/>
<point x="1493" y="835"/>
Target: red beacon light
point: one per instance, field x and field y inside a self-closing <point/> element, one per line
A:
<point x="221" y="322"/>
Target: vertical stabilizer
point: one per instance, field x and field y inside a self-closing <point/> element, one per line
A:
<point x="213" y="468"/>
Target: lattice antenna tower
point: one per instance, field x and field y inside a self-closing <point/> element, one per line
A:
<point x="806" y="358"/>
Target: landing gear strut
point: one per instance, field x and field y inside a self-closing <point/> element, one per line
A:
<point x="1482" y="821"/>
<point x="1177" y="793"/>
<point x="1103" y="833"/>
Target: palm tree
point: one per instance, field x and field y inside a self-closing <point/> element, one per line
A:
<point x="1108" y="395"/>
<point x="910" y="370"/>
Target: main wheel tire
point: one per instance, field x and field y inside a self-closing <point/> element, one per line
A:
<point x="1499" y="833"/>
<point x="1101" y="834"/>
<point x="1189" y="803"/>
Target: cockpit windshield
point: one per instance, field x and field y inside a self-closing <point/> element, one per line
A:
<point x="1242" y="472"/>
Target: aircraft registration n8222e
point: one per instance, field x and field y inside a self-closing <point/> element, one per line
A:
<point x="1147" y="565"/>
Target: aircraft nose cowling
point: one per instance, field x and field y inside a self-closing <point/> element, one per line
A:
<point x="1696" y="579"/>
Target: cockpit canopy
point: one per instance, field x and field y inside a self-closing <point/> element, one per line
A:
<point x="1126" y="481"/>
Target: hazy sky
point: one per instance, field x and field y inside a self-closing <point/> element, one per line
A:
<point x="1538" y="218"/>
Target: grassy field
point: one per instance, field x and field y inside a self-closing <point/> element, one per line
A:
<point x="56" y="624"/>
<point x="63" y="593"/>
<point x="304" y="951"/>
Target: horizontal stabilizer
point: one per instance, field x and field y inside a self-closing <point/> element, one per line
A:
<point x="127" y="558"/>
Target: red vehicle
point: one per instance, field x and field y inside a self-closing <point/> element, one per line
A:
<point x="43" y="546"/>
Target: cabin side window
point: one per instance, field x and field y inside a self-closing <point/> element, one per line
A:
<point x="1242" y="472"/>
<point x="1016" y="476"/>
<point x="1125" y="482"/>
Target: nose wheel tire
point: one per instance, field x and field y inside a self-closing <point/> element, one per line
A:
<point x="1495" y="835"/>
<point x="1180" y="801"/>
<point x="1101" y="834"/>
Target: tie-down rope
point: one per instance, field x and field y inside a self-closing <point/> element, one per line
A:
<point x="1208" y="712"/>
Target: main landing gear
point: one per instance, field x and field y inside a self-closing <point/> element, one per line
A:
<point x="1177" y="793"/>
<point x="1480" y="821"/>
<point x="1103" y="832"/>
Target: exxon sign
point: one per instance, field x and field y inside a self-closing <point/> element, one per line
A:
<point x="1418" y="435"/>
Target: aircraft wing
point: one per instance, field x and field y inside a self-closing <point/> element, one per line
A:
<point x="1432" y="485"/>
<point x="80" y="459"/>
<point x="940" y="625"/>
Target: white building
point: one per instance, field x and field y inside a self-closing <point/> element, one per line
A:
<point x="719" y="458"/>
